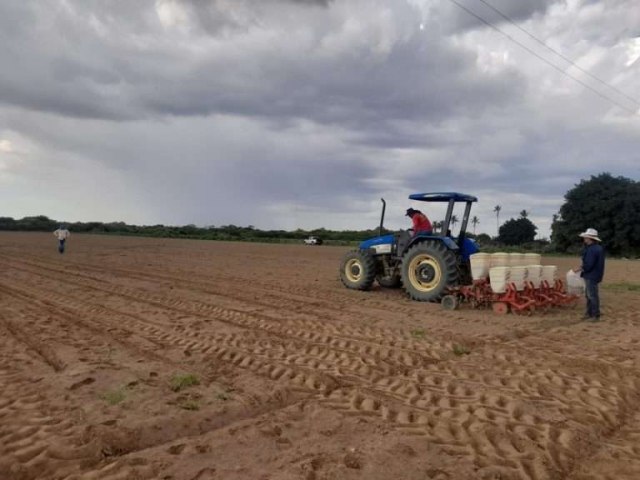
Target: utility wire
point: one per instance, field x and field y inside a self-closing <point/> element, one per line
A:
<point x="566" y="59"/>
<point x="586" y="85"/>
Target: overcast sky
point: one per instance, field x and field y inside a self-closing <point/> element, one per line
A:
<point x="303" y="113"/>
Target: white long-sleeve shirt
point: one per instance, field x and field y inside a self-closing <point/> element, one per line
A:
<point x="62" y="234"/>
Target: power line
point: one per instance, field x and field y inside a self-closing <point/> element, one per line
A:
<point x="566" y="59"/>
<point x="587" y="86"/>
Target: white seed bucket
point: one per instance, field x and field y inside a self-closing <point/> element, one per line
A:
<point x="532" y="259"/>
<point x="498" y="278"/>
<point x="549" y="274"/>
<point x="575" y="283"/>
<point x="499" y="259"/>
<point x="517" y="276"/>
<point x="480" y="265"/>
<point x="515" y="259"/>
<point x="534" y="274"/>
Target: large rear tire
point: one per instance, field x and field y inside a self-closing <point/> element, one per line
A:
<point x="428" y="268"/>
<point x="358" y="270"/>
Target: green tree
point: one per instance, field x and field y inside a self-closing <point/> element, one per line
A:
<point x="483" y="239"/>
<point x="517" y="232"/>
<point x="609" y="204"/>
<point x="7" y="223"/>
<point x="38" y="223"/>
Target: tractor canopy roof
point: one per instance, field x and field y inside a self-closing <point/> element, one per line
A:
<point x="442" y="197"/>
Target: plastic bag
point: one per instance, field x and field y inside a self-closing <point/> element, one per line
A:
<point x="575" y="283"/>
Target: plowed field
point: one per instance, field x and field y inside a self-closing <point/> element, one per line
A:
<point x="129" y="358"/>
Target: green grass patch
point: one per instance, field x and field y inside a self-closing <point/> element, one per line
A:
<point x="460" y="350"/>
<point x="625" y="286"/>
<point x="418" y="333"/>
<point x="224" y="396"/>
<point x="180" y="382"/>
<point x="113" y="397"/>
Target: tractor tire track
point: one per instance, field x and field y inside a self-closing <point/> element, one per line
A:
<point x="322" y="310"/>
<point x="518" y="409"/>
<point x="36" y="437"/>
<point x="363" y="341"/>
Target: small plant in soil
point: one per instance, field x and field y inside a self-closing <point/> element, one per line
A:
<point x="180" y="382"/>
<point x="418" y="333"/>
<point x="460" y="350"/>
<point x="224" y="396"/>
<point x="189" y="405"/>
<point x="113" y="397"/>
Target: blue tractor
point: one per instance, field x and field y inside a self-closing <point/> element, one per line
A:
<point x="424" y="264"/>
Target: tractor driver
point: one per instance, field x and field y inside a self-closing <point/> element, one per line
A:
<point x="421" y="223"/>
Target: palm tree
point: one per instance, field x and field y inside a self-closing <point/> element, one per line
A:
<point x="497" y="209"/>
<point x="454" y="220"/>
<point x="524" y="214"/>
<point x="437" y="225"/>
<point x="475" y="221"/>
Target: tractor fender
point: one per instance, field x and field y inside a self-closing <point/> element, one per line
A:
<point x="447" y="241"/>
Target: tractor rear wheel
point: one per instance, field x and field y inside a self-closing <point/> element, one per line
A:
<point x="428" y="268"/>
<point x="358" y="270"/>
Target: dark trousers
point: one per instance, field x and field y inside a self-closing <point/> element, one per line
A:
<point x="61" y="246"/>
<point x="593" y="298"/>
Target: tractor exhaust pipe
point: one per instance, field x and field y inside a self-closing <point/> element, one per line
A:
<point x="384" y="207"/>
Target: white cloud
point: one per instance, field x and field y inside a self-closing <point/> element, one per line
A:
<point x="632" y="46"/>
<point x="172" y="13"/>
<point x="6" y="146"/>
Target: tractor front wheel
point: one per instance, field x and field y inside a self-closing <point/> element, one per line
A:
<point x="428" y="268"/>
<point x="450" y="302"/>
<point x="358" y="270"/>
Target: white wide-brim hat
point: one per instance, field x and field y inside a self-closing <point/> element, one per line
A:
<point x="591" y="233"/>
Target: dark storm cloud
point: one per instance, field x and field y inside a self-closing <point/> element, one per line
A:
<point x="472" y="14"/>
<point x="227" y="168"/>
<point x="217" y="17"/>
<point x="337" y="91"/>
<point x="89" y="74"/>
<point x="322" y="3"/>
<point x="56" y="63"/>
<point x="286" y="113"/>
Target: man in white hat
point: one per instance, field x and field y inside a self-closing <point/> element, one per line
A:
<point x="592" y="270"/>
<point x="62" y="234"/>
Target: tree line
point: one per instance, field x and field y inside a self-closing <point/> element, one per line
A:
<point x="609" y="204"/>
<point x="42" y="223"/>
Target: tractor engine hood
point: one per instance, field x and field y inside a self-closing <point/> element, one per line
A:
<point x="376" y="241"/>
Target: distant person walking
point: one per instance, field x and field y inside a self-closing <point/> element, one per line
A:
<point x="592" y="270"/>
<point x="62" y="234"/>
<point x="421" y="223"/>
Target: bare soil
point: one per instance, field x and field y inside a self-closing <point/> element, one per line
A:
<point x="130" y="358"/>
